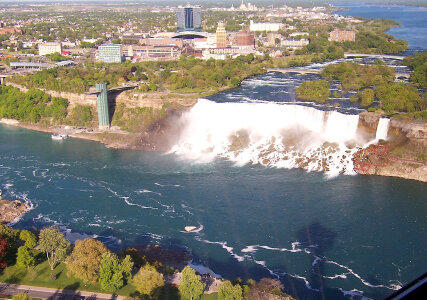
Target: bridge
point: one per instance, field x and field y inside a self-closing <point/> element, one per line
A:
<point x="379" y="56"/>
<point x="294" y="70"/>
<point x="115" y="89"/>
<point x="316" y="71"/>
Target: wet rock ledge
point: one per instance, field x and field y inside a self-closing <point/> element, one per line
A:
<point x="10" y="210"/>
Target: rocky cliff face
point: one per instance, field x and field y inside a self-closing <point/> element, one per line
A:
<point x="10" y="210"/>
<point x="403" y="155"/>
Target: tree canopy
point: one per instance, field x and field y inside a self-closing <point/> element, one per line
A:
<point x="316" y="90"/>
<point x="354" y="76"/>
<point x="53" y="243"/>
<point x="148" y="281"/>
<point x="25" y="257"/>
<point x="84" y="261"/>
<point x="229" y="292"/>
<point x="418" y="63"/>
<point x="114" y="274"/>
<point x="191" y="285"/>
<point x="29" y="238"/>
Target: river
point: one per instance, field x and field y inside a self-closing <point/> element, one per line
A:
<point x="324" y="236"/>
<point x="321" y="235"/>
<point x="412" y="19"/>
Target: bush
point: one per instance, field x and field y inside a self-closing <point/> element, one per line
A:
<point x="21" y="296"/>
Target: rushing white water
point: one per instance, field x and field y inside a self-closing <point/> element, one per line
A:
<point x="382" y="129"/>
<point x="271" y="134"/>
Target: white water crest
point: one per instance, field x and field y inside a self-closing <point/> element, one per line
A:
<point x="382" y="129"/>
<point x="272" y="134"/>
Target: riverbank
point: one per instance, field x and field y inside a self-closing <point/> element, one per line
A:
<point x="402" y="155"/>
<point x="406" y="146"/>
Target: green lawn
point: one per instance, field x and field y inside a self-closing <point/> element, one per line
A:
<point x="40" y="276"/>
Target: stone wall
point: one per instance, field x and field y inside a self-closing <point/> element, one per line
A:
<point x="154" y="100"/>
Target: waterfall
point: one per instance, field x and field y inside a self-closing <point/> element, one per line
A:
<point x="271" y="134"/>
<point x="382" y="129"/>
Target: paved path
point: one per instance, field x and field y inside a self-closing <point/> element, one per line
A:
<point x="52" y="294"/>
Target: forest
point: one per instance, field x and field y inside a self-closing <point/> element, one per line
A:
<point x="354" y="76"/>
<point x="418" y="64"/>
<point x="188" y="74"/>
<point x="31" y="106"/>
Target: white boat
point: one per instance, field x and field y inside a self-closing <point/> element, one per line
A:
<point x="59" y="136"/>
<point x="190" y="228"/>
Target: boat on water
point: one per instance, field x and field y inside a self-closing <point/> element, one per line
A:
<point x="190" y="228"/>
<point x="59" y="136"/>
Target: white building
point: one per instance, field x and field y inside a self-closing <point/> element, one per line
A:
<point x="49" y="48"/>
<point x="110" y="53"/>
<point x="295" y="44"/>
<point x="265" y="26"/>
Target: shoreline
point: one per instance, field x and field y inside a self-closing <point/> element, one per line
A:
<point x="395" y="167"/>
<point x="12" y="211"/>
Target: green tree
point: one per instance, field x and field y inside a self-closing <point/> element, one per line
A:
<point x="366" y="97"/>
<point x="53" y="243"/>
<point x="84" y="261"/>
<point x="29" y="238"/>
<point x="25" y="257"/>
<point x="114" y="274"/>
<point x="191" y="285"/>
<point x="9" y="233"/>
<point x="229" y="292"/>
<point x="148" y="281"/>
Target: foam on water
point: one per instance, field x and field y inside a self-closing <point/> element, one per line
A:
<point x="201" y="269"/>
<point x="271" y="134"/>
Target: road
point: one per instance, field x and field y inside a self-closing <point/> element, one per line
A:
<point x="52" y="294"/>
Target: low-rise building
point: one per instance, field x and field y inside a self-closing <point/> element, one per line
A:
<point x="265" y="26"/>
<point x="338" y="35"/>
<point x="50" y="48"/>
<point x="161" y="41"/>
<point x="110" y="53"/>
<point x="151" y="52"/>
<point x="295" y="44"/>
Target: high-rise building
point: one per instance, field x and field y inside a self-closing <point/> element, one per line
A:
<point x="49" y="48"/>
<point x="245" y="38"/>
<point x="221" y="36"/>
<point x="189" y="18"/>
<point x="110" y="53"/>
